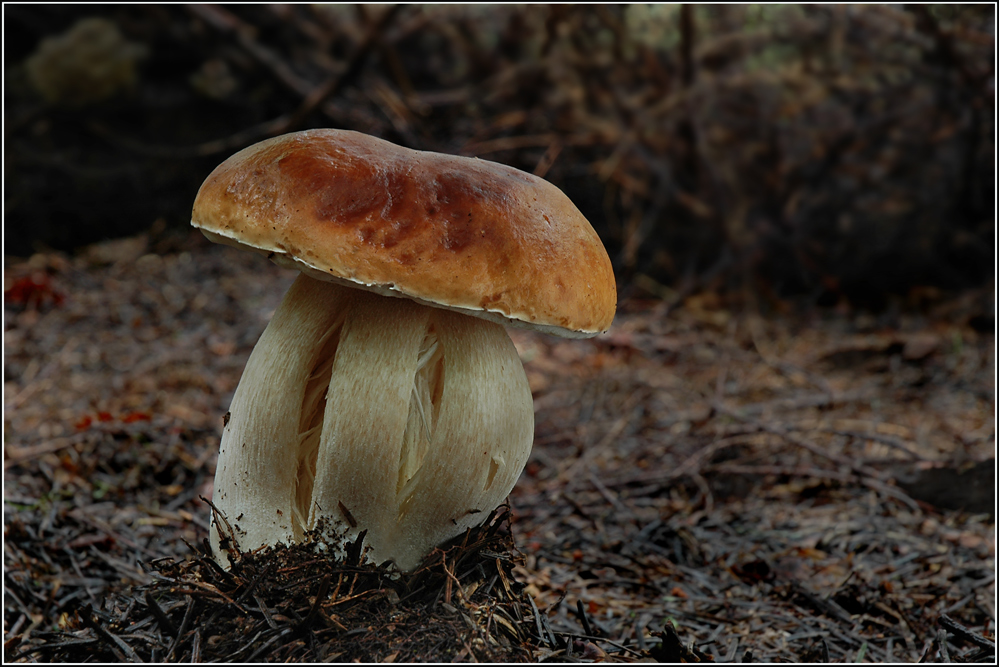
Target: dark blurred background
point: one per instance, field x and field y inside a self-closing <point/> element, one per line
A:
<point x="825" y="154"/>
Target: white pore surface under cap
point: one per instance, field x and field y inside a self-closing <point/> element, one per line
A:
<point x="363" y="412"/>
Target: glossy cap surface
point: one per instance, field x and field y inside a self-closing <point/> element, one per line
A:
<point x="455" y="232"/>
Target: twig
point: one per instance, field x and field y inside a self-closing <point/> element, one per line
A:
<point x="537" y="619"/>
<point x="59" y="359"/>
<point x="723" y="408"/>
<point x="324" y="588"/>
<point x="617" y="645"/>
<point x="90" y="619"/>
<point x="821" y="604"/>
<point x="894" y="443"/>
<point x="966" y="634"/>
<point x="942" y="643"/>
<point x="807" y="401"/>
<point x="892" y="491"/>
<point x="228" y="23"/>
<point x="610" y="496"/>
<point x="256" y="580"/>
<point x="581" y="614"/>
<point x="79" y="515"/>
<point x="801" y="471"/>
<point x="49" y="647"/>
<point x="226" y="144"/>
<point x="266" y="645"/>
<point x="333" y="84"/>
<point x="188" y="614"/>
<point x="262" y="606"/>
<point x="165" y="624"/>
<point x="14" y="454"/>
<point x="196" y="647"/>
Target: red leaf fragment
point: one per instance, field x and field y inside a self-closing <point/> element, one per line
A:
<point x="33" y="291"/>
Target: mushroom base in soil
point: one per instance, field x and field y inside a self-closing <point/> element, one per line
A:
<point x="363" y="412"/>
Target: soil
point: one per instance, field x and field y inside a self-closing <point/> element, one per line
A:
<point x="708" y="483"/>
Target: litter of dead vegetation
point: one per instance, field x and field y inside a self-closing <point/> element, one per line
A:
<point x="295" y="604"/>
<point x="726" y="483"/>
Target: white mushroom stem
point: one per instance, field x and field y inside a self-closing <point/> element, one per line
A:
<point x="363" y="412"/>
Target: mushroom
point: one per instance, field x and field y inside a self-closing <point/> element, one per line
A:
<point x="385" y="395"/>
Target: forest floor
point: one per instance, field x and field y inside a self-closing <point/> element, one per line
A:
<point x="774" y="488"/>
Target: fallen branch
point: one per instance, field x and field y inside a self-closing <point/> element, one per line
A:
<point x="956" y="628"/>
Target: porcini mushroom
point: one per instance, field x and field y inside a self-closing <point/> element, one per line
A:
<point x="409" y="418"/>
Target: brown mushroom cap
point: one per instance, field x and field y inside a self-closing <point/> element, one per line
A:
<point x="448" y="231"/>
